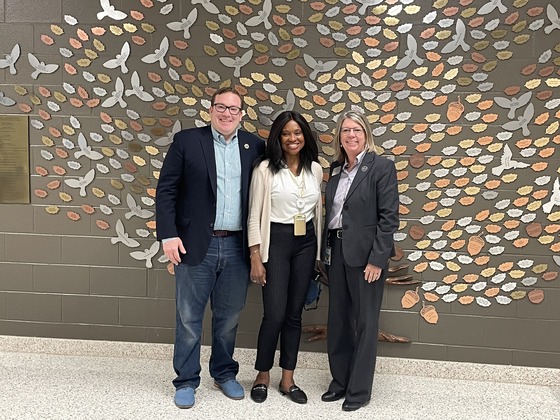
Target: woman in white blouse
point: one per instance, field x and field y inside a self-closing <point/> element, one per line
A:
<point x="285" y="210"/>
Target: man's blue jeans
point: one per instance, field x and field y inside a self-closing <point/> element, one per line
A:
<point x="222" y="277"/>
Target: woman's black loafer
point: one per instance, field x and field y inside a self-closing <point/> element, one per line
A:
<point x="295" y="394"/>
<point x="259" y="392"/>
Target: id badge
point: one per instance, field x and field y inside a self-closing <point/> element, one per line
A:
<point x="327" y="259"/>
<point x="299" y="225"/>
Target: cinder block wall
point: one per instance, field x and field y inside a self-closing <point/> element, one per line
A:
<point x="461" y="94"/>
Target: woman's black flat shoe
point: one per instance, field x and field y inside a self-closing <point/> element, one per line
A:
<point x="295" y="394"/>
<point x="259" y="392"/>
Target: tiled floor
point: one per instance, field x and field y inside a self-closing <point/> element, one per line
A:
<point x="85" y="383"/>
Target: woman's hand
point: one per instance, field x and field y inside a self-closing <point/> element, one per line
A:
<point x="258" y="272"/>
<point x="372" y="273"/>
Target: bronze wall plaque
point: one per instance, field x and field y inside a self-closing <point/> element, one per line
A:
<point x="14" y="159"/>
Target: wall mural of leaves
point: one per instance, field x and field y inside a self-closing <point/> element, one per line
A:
<point x="463" y="95"/>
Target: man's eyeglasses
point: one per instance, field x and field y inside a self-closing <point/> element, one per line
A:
<point x="357" y="131"/>
<point x="221" y="108"/>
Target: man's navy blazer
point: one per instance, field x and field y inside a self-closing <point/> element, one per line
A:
<point x="186" y="191"/>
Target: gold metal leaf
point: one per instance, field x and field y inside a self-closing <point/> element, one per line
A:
<point x="338" y="107"/>
<point x="341" y="52"/>
<point x="113" y="138"/>
<point x="59" y="97"/>
<point x="292" y="55"/>
<point x="420" y="71"/>
<point x="300" y="93"/>
<point x="189" y="64"/>
<point x="284" y="34"/>
<point x="84" y="62"/>
<point x="441" y="35"/>
<point x="305" y="104"/>
<point x="65" y="197"/>
<point x="116" y="184"/>
<point x="146" y="27"/>
<point x="130" y="28"/>
<point x="181" y="89"/>
<point x="52" y="209"/>
<point x="489" y="65"/>
<point x="316" y="18"/>
<point x="379" y="10"/>
<point x="172" y="111"/>
<point x="68" y="129"/>
<point x="139" y="160"/>
<point x="47" y="141"/>
<point x="189" y="101"/>
<point x="120" y="124"/>
<point x="211" y="51"/>
<point x="107" y="151"/>
<point x="197" y="91"/>
<point x="262" y="48"/>
<point x="152" y="151"/>
<point x="57" y="30"/>
<point x="467" y="13"/>
<point x="358" y="58"/>
<point x="116" y="30"/>
<point x="276" y="99"/>
<point x="92" y="55"/>
<point x="521" y="39"/>
<point x="391" y="21"/>
<point x="103" y="78"/>
<point x="275" y="78"/>
<point x="504" y="55"/>
<point x="99" y="46"/>
<point x="382" y="84"/>
<point x="20" y="90"/>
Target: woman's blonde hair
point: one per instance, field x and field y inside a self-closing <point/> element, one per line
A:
<point x="359" y="118"/>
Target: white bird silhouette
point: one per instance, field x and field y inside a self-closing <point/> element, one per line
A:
<point x="287" y="106"/>
<point x="514" y="103"/>
<point x="109" y="10"/>
<point x="207" y="4"/>
<point x="85" y="149"/>
<point x="237" y="62"/>
<point x="554" y="198"/>
<point x="135" y="209"/>
<point x="40" y="67"/>
<point x="116" y="96"/>
<point x="185" y="24"/>
<point x="123" y="237"/>
<point x="366" y="3"/>
<point x="458" y="40"/>
<point x="410" y="55"/>
<point x="262" y="16"/>
<point x="552" y="14"/>
<point x="138" y="89"/>
<point x="159" y="54"/>
<point x="147" y="254"/>
<point x="4" y="100"/>
<point x="82" y="182"/>
<point x="120" y="60"/>
<point x="521" y="121"/>
<point x="318" y="66"/>
<point x="491" y="6"/>
<point x="168" y="138"/>
<point x="506" y="162"/>
<point x="10" y="59"/>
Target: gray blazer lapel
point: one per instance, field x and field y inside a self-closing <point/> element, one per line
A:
<point x="363" y="170"/>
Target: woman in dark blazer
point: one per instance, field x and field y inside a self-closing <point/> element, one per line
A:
<point x="361" y="201"/>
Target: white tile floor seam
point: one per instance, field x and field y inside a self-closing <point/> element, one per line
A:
<point x="41" y="385"/>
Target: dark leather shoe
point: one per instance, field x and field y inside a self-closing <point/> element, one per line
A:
<point x="353" y="405"/>
<point x="295" y="394"/>
<point x="259" y="392"/>
<point x="331" y="396"/>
